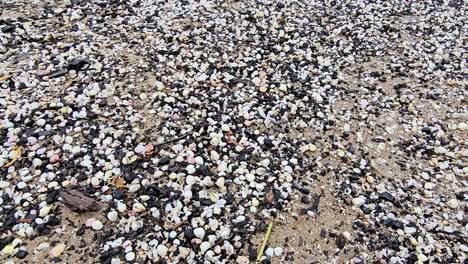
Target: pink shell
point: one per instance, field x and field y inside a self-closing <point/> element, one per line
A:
<point x="149" y="149"/>
<point x="54" y="158"/>
<point x="191" y="160"/>
<point x="131" y="213"/>
<point x="90" y="222"/>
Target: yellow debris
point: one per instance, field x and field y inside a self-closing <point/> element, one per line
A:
<point x="265" y="240"/>
<point x="17" y="151"/>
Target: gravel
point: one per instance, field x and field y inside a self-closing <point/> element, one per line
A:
<point x="196" y="123"/>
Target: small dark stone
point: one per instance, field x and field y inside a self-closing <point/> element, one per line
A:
<point x="8" y="28"/>
<point x="395" y="224"/>
<point x="164" y="161"/>
<point x="21" y="254"/>
<point x="203" y="170"/>
<point x="323" y="233"/>
<point x="252" y="253"/>
<point x="52" y="196"/>
<point x="22" y="85"/>
<point x="188" y="233"/>
<point x="118" y="194"/>
<point x="280" y="5"/>
<point x="366" y="210"/>
<point x="379" y="139"/>
<point x="306" y="199"/>
<point x="426" y="130"/>
<point x="53" y="221"/>
<point x="81" y="230"/>
<point x="77" y="64"/>
<point x="302" y="189"/>
<point x="388" y="197"/>
<point x="58" y="73"/>
<point x="340" y="241"/>
<point x="268" y="143"/>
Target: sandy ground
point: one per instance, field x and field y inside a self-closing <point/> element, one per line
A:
<point x="304" y="238"/>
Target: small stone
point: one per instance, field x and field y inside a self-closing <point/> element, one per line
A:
<point x="440" y="150"/>
<point x="250" y="177"/>
<point x="162" y="250"/>
<point x="204" y="246"/>
<point x="453" y="203"/>
<point x="130" y="256"/>
<point x="8" y="250"/>
<point x="36" y="162"/>
<point x="306" y="199"/>
<point x="220" y="182"/>
<point x="54" y="159"/>
<point x="199" y="232"/>
<point x="190" y="180"/>
<point x="312" y="147"/>
<point x="21" y="185"/>
<point x="191" y="169"/>
<point x="41" y="122"/>
<point x="121" y="207"/>
<point x="242" y="260"/>
<point x="90" y="221"/>
<point x="269" y="252"/>
<point x="113" y="216"/>
<point x="4" y="184"/>
<point x="358" y="201"/>
<point x="43" y="246"/>
<point x="215" y="141"/>
<point x="97" y="225"/>
<point x="255" y="202"/>
<point x="347" y="235"/>
<point x="21" y="254"/>
<point x="132" y="188"/>
<point x="409" y="230"/>
<point x="138" y="207"/>
<point x="57" y="250"/>
<point x="278" y="251"/>
<point x="44" y="211"/>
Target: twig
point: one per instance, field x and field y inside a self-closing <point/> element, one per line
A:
<point x="4" y="78"/>
<point x="174" y="139"/>
<point x="17" y="150"/>
<point x="265" y="240"/>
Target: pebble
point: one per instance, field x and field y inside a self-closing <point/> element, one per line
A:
<point x="199" y="232"/>
<point x="242" y="260"/>
<point x="44" y="211"/>
<point x="278" y="251"/>
<point x="57" y="250"/>
<point x="162" y="250"/>
<point x="4" y="184"/>
<point x="112" y="216"/>
<point x="453" y="203"/>
<point x="204" y="246"/>
<point x="130" y="256"/>
<point x="269" y="252"/>
<point x="44" y="246"/>
<point x="97" y="225"/>
<point x="138" y="207"/>
<point x="221" y="117"/>
<point x="347" y="235"/>
<point x="358" y="201"/>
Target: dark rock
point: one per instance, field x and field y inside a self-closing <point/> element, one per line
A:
<point x="21" y="254"/>
<point x="77" y="64"/>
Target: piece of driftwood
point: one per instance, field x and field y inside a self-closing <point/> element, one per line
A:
<point x="77" y="201"/>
